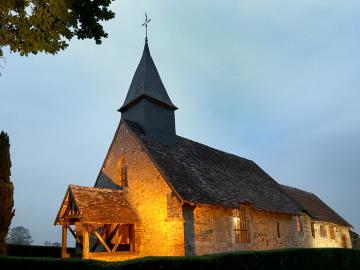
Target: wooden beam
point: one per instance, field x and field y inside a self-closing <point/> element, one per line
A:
<point x="85" y="242"/>
<point x="75" y="236"/>
<point x="72" y="216"/>
<point x="103" y="232"/>
<point x="101" y="239"/>
<point x="113" y="232"/>
<point x="67" y="208"/>
<point x="117" y="243"/>
<point x="119" y="237"/>
<point x="132" y="237"/>
<point x="64" y="253"/>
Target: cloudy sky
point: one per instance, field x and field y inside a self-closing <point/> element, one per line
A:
<point x="275" y="81"/>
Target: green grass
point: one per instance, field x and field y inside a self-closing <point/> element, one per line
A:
<point x="294" y="259"/>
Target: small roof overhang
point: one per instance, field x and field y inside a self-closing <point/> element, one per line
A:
<point x="95" y="205"/>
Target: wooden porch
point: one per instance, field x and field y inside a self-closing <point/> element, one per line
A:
<point x="101" y="222"/>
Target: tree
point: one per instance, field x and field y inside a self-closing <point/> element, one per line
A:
<point x="53" y="244"/>
<point x="32" y="26"/>
<point x="6" y="190"/>
<point x="19" y="236"/>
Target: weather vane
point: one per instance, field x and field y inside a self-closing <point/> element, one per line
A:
<point x="145" y="24"/>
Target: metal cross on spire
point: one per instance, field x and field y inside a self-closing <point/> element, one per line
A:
<point x="145" y="24"/>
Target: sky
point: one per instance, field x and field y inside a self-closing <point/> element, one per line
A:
<point x="274" y="81"/>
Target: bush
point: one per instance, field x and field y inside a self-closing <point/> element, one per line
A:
<point x="294" y="259"/>
<point x="9" y="262"/>
<point x="35" y="251"/>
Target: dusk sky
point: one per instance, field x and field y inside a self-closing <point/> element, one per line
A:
<point x="274" y="81"/>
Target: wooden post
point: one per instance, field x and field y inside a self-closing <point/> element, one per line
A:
<point x="85" y="242"/>
<point x="132" y="237"/>
<point x="64" y="254"/>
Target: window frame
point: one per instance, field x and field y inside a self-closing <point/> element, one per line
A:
<point x="299" y="225"/>
<point x="332" y="232"/>
<point x="312" y="228"/>
<point x="241" y="226"/>
<point x="121" y="173"/>
<point x="323" y="230"/>
<point x="124" y="178"/>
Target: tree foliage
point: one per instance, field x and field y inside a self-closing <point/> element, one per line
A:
<point x="6" y="190"/>
<point x="47" y="244"/>
<point x="32" y="26"/>
<point x="53" y="244"/>
<point x="19" y="236"/>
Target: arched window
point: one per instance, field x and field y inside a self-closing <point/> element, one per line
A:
<point x="124" y="181"/>
<point x="121" y="173"/>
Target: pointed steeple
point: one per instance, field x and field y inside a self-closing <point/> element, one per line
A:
<point x="147" y="83"/>
<point x="148" y="104"/>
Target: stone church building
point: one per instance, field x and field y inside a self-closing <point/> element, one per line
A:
<point x="160" y="194"/>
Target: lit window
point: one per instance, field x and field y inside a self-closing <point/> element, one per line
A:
<point x="332" y="232"/>
<point x="313" y="229"/>
<point x="323" y="232"/>
<point x="241" y="226"/>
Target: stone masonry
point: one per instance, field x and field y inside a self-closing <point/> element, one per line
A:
<point x="162" y="224"/>
<point x="169" y="228"/>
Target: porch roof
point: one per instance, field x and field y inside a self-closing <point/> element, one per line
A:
<point x="96" y="205"/>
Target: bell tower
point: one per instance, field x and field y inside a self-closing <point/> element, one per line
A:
<point x="148" y="104"/>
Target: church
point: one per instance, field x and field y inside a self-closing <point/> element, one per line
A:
<point x="160" y="194"/>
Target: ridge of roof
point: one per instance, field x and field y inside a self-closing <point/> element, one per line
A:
<point x="94" y="189"/>
<point x="261" y="190"/>
<point x="316" y="207"/>
<point x="298" y="189"/>
<point x="139" y="132"/>
<point x="146" y="82"/>
<point x="205" y="175"/>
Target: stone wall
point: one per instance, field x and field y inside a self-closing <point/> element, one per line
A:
<point x="214" y="231"/>
<point x="207" y="229"/>
<point x="341" y="236"/>
<point x="355" y="239"/>
<point x="162" y="227"/>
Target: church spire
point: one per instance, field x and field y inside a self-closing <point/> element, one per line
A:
<point x="148" y="104"/>
<point x="147" y="83"/>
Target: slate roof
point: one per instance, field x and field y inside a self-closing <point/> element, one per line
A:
<point x="201" y="174"/>
<point x="316" y="208"/>
<point x="99" y="205"/>
<point x="147" y="83"/>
